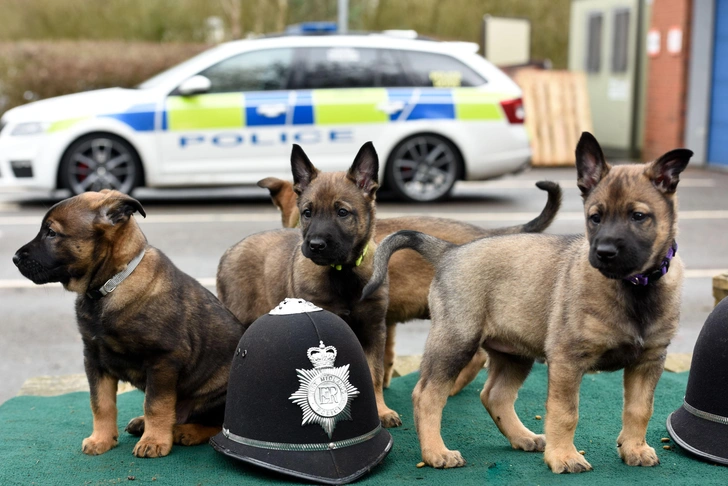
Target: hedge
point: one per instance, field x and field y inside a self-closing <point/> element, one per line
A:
<point x="33" y="70"/>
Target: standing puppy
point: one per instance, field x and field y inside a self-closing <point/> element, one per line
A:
<point x="603" y="301"/>
<point x="141" y="319"/>
<point x="327" y="262"/>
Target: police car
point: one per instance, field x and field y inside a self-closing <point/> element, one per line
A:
<point x="436" y="111"/>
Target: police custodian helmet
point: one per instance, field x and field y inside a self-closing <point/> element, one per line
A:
<point x="300" y="398"/>
<point x="700" y="425"/>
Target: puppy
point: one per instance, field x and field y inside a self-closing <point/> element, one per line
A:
<point x="600" y="301"/>
<point x="329" y="260"/>
<point x="141" y="319"/>
<point x="409" y="273"/>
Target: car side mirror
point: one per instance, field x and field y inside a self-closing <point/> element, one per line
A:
<point x="195" y="85"/>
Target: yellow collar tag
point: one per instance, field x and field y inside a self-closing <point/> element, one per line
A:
<point x="358" y="260"/>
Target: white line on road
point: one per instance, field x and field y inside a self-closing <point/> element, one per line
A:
<point x="564" y="183"/>
<point x="19" y="284"/>
<point x="200" y="218"/>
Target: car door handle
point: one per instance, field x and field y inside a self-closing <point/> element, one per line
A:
<point x="272" y="111"/>
<point x="390" y="107"/>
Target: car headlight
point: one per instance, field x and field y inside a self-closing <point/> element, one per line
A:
<point x="29" y="128"/>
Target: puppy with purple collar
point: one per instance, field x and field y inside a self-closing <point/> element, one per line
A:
<point x="606" y="300"/>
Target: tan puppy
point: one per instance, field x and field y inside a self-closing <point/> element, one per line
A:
<point x="603" y="301"/>
<point x="154" y="326"/>
<point x="409" y="273"/>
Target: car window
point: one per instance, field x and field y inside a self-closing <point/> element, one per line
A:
<point x="350" y="67"/>
<point x="439" y="71"/>
<point x="263" y="70"/>
<point x="172" y="74"/>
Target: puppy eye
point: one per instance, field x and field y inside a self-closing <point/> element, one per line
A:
<point x="342" y="212"/>
<point x="306" y="213"/>
<point x="51" y="233"/>
<point x="595" y="218"/>
<point x="637" y="216"/>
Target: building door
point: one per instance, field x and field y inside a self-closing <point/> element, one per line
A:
<point x="604" y="44"/>
<point x="718" y="128"/>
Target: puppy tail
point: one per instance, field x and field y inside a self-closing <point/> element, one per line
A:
<point x="428" y="246"/>
<point x="540" y="222"/>
<point x="549" y="212"/>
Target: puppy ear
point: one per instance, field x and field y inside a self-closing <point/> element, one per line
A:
<point x="118" y="208"/>
<point x="283" y="197"/>
<point x="303" y="170"/>
<point x="364" y="172"/>
<point x="590" y="164"/>
<point x="665" y="171"/>
<point x="273" y="184"/>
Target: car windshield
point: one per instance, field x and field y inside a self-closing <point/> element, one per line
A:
<point x="172" y="74"/>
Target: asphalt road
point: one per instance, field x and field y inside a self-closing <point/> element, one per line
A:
<point x="38" y="333"/>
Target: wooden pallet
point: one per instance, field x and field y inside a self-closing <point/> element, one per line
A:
<point x="557" y="111"/>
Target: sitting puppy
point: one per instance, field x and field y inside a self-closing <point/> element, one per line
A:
<point x="409" y="273"/>
<point x="604" y="301"/>
<point x="141" y="319"/>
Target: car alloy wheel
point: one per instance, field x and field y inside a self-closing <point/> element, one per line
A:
<point x="100" y="162"/>
<point x="423" y="168"/>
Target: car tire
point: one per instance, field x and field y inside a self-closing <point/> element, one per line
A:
<point x="100" y="161"/>
<point x="423" y="168"/>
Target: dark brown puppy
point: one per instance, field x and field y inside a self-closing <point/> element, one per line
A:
<point x="160" y="330"/>
<point x="569" y="299"/>
<point x="338" y="229"/>
<point x="409" y="273"/>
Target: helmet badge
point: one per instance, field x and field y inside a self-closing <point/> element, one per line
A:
<point x="325" y="393"/>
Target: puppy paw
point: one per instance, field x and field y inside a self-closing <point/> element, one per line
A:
<point x="569" y="461"/>
<point x="193" y="434"/>
<point x="638" y="455"/>
<point x="390" y="418"/>
<point x="443" y="459"/>
<point x="151" y="447"/>
<point x="529" y="443"/>
<point x="93" y="446"/>
<point x="136" y="426"/>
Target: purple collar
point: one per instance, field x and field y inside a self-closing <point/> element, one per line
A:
<point x="644" y="279"/>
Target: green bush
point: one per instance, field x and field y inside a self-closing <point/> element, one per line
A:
<point x="122" y="42"/>
<point x="33" y="70"/>
<point x="184" y="20"/>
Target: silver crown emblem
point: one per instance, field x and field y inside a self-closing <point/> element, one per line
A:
<point x="325" y="393"/>
<point x="322" y="356"/>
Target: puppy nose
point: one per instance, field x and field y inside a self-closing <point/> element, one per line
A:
<point x="317" y="244"/>
<point x="606" y="251"/>
<point x="16" y="259"/>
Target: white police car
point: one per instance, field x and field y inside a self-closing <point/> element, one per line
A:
<point x="436" y="112"/>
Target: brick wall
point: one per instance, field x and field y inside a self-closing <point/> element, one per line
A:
<point x="667" y="77"/>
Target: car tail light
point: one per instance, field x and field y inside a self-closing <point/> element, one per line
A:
<point x="514" y="110"/>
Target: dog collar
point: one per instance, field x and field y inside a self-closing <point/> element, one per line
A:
<point x="114" y="281"/>
<point x="358" y="260"/>
<point x="644" y="279"/>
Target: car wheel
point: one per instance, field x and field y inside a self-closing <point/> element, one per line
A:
<point x="423" y="168"/>
<point x="100" y="161"/>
